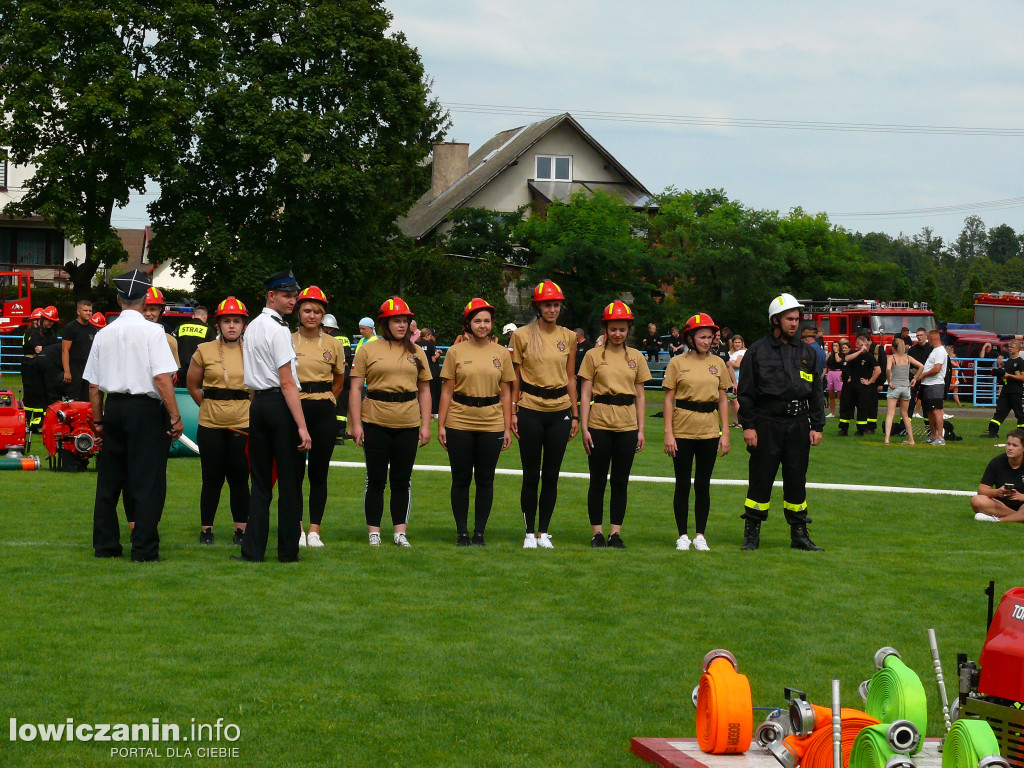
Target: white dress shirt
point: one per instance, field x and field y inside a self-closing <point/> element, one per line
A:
<point x="127" y="354"/>
<point x="266" y="346"/>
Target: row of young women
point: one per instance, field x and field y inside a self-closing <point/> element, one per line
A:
<point x="488" y="395"/>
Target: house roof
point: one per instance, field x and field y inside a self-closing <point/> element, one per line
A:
<point x="134" y="243"/>
<point x="493" y="157"/>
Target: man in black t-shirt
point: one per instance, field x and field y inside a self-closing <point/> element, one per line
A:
<point x="1011" y="397"/>
<point x="1001" y="491"/>
<point x="75" y="342"/>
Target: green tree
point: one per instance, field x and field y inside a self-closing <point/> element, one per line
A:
<point x="595" y="247"/>
<point x="308" y="122"/>
<point x="1003" y="244"/>
<point x="81" y="100"/>
<point x="973" y="239"/>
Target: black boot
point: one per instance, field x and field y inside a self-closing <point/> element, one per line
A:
<point x="751" y="535"/>
<point x="843" y="432"/>
<point x="800" y="539"/>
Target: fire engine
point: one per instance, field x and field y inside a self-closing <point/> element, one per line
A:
<point x="1001" y="312"/>
<point x="15" y="300"/>
<point x="848" y="318"/>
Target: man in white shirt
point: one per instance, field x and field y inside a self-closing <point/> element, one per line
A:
<point x="129" y="372"/>
<point x="277" y="428"/>
<point x="933" y="387"/>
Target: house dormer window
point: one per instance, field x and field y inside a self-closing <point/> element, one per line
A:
<point x="554" y="168"/>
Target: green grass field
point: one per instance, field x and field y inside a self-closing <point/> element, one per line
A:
<point x="438" y="656"/>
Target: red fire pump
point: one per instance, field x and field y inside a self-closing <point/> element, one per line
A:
<point x="994" y="689"/>
<point x="69" y="437"/>
<point x="14" y="435"/>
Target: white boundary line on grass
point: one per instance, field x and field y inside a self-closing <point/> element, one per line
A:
<point x="657" y="479"/>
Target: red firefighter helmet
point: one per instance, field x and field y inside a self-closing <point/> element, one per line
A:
<point x="36" y="313"/>
<point x="395" y="307"/>
<point x="97" y="320"/>
<point x="700" y="320"/>
<point x="473" y="306"/>
<point x="231" y="306"/>
<point x="154" y="297"/>
<point x="547" y="290"/>
<point x="50" y="313"/>
<point x="312" y="293"/>
<point x="617" y="310"/>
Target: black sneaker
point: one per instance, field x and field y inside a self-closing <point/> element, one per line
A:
<point x="478" y="540"/>
<point x="463" y="540"/>
<point x="598" y="541"/>
<point x="615" y="542"/>
<point x="237" y="538"/>
<point x="206" y="537"/>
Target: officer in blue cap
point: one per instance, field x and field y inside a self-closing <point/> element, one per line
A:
<point x="277" y="428"/>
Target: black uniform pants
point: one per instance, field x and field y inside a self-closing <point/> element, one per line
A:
<point x="1009" y="400"/>
<point x="390" y="453"/>
<point x="472" y="454"/>
<point x="858" y="398"/>
<point x="785" y="441"/>
<point x="33" y="386"/>
<point x="135" y="444"/>
<point x="543" y="436"/>
<point x="705" y="452"/>
<point x="222" y="456"/>
<point x="871" y="408"/>
<point x="273" y="440"/>
<point x="614" y="450"/>
<point x="322" y="427"/>
<point x="78" y="388"/>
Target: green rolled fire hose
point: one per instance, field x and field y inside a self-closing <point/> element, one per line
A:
<point x="870" y="748"/>
<point x="967" y="742"/>
<point x="896" y="693"/>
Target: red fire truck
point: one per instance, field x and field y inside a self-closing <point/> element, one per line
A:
<point x="15" y="301"/>
<point x="847" y="318"/>
<point x="1001" y="312"/>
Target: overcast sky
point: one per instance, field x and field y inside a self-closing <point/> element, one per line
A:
<point x="937" y="64"/>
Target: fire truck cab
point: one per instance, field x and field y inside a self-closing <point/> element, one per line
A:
<point x="848" y="318"/>
<point x="15" y="301"/>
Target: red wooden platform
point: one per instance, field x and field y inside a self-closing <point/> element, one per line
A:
<point x="684" y="753"/>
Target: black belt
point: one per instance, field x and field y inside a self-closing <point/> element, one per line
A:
<point x="690" y="405"/>
<point x="220" y="393"/>
<point x="475" y="402"/>
<point x="265" y="392"/>
<point x="784" y="407"/>
<point x="390" y="397"/>
<point x="315" y="387"/>
<point x="128" y="396"/>
<point x="615" y="399"/>
<point x="546" y="393"/>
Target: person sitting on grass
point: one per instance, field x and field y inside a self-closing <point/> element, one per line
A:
<point x="1001" y="492"/>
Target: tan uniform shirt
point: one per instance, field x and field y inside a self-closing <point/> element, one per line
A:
<point x="317" y="360"/>
<point x="477" y="372"/>
<point x="222" y="372"/>
<point x="173" y="344"/>
<point x="697" y="381"/>
<point x="614" y="373"/>
<point x="543" y="364"/>
<point x="389" y="367"/>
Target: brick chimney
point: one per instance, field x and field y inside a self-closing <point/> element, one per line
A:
<point x="451" y="162"/>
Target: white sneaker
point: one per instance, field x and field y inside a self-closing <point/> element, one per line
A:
<point x="929" y="439"/>
<point x="981" y="517"/>
<point x="683" y="542"/>
<point x="313" y="539"/>
<point x="375" y="539"/>
<point x="544" y="541"/>
<point x="829" y="416"/>
<point x="700" y="544"/>
<point x="401" y="541"/>
<point x="530" y="542"/>
<point x="302" y="538"/>
<point x="938" y="441"/>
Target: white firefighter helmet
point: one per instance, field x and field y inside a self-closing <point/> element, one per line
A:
<point x="782" y="303"/>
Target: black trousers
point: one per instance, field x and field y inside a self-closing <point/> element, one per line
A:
<point x="785" y="441"/>
<point x="321" y="424"/>
<point x="1007" y="401"/>
<point x="133" y="462"/>
<point x="705" y="452"/>
<point x="390" y="452"/>
<point x="472" y="454"/>
<point x="543" y="436"/>
<point x="222" y="456"/>
<point x="858" y="398"/>
<point x="33" y="386"/>
<point x="77" y="388"/>
<point x="273" y="440"/>
<point x="614" y="450"/>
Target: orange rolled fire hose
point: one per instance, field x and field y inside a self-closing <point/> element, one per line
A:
<point x="725" y="716"/>
<point x="819" y="744"/>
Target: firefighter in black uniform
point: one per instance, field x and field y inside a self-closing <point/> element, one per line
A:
<point x="1011" y="397"/>
<point x="877" y="352"/>
<point x="38" y="337"/>
<point x="860" y="376"/>
<point x="190" y="335"/>
<point x="782" y="410"/>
